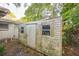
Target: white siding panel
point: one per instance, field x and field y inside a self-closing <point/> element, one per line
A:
<point x="31" y="35"/>
<point x="4" y="34"/>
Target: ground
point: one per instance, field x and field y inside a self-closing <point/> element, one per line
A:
<point x="15" y="48"/>
<point x="70" y="50"/>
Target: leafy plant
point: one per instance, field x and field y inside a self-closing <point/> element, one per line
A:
<point x="70" y="13"/>
<point x="1" y="49"/>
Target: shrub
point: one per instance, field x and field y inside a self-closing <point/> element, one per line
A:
<point x="1" y="49"/>
<point x="71" y="36"/>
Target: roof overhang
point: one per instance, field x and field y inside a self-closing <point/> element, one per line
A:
<point x="3" y="11"/>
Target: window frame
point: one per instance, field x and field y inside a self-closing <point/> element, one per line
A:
<point x="22" y="30"/>
<point x="4" y="27"/>
<point x="46" y="30"/>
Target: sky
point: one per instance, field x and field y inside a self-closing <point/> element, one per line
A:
<point x="18" y="12"/>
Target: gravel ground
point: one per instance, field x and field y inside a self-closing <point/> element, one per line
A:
<point x="15" y="48"/>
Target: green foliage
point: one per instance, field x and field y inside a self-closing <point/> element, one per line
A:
<point x="34" y="12"/>
<point x="67" y="37"/>
<point x="70" y="13"/>
<point x="25" y="19"/>
<point x="1" y="49"/>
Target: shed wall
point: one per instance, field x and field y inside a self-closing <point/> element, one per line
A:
<point x="47" y="44"/>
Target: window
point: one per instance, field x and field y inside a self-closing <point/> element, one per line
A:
<point x="22" y="29"/>
<point x="3" y="26"/>
<point x="46" y="30"/>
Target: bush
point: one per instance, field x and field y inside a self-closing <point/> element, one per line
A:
<point x="67" y="38"/>
<point x="1" y="49"/>
<point x="71" y="36"/>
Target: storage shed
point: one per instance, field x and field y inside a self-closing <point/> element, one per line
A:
<point x="8" y="29"/>
<point x="44" y="35"/>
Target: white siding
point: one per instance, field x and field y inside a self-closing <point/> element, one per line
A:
<point x="47" y="44"/>
<point x="9" y="33"/>
<point x="31" y="35"/>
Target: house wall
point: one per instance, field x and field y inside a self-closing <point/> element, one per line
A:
<point x="10" y="33"/>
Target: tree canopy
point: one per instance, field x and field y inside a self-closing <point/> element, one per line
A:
<point x="34" y="12"/>
<point x="70" y="13"/>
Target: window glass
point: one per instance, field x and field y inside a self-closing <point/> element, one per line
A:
<point x="3" y="26"/>
<point x="46" y="30"/>
<point x="22" y="29"/>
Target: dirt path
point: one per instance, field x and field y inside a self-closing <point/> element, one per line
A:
<point x="15" y="48"/>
